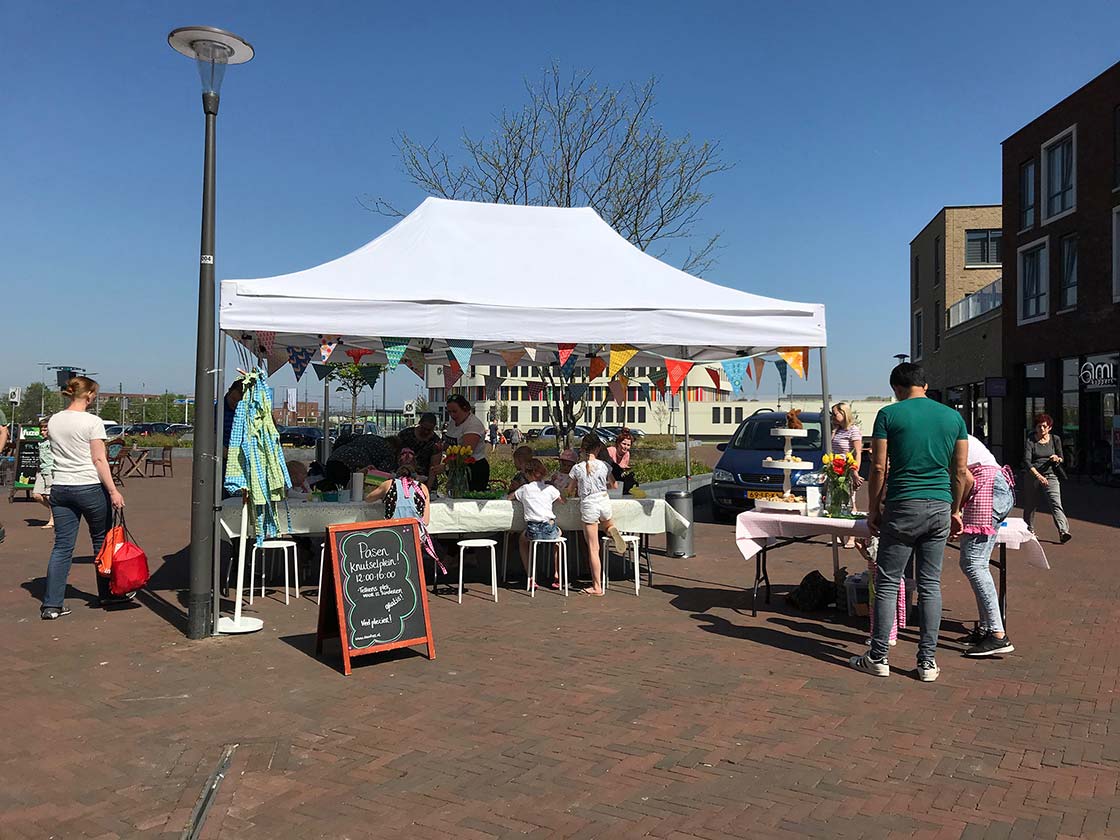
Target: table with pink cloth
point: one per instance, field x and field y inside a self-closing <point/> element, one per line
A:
<point x="758" y="532"/>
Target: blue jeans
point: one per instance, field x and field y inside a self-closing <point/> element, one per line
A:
<point x="976" y="554"/>
<point x="919" y="527"/>
<point x="542" y="530"/>
<point x="70" y="504"/>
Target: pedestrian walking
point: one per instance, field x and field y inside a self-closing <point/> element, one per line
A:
<point x="1042" y="459"/>
<point x="912" y="510"/>
<point x="514" y="438"/>
<point x="3" y="446"/>
<point x="82" y="488"/>
<point x="42" y="490"/>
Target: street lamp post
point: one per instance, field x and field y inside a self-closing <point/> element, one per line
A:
<point x="212" y="49"/>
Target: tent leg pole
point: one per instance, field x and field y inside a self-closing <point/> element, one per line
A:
<point x="826" y="412"/>
<point x="326" y="419"/>
<point x="219" y="460"/>
<point x="687" y="442"/>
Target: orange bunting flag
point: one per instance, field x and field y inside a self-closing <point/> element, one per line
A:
<point x="797" y="358"/>
<point x="620" y="355"/>
<point x="511" y="357"/>
<point x="452" y="373"/>
<point x="759" y="364"/>
<point x="678" y="369"/>
<point x="564" y="351"/>
<point x="618" y="390"/>
<point x="712" y="372"/>
<point x="597" y="367"/>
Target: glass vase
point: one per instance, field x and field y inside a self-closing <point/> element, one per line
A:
<point x="458" y="483"/>
<point x="838" y="501"/>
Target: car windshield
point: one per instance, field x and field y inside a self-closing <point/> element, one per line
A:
<point x="755" y="435"/>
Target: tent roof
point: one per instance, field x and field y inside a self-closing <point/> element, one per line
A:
<point x="504" y="276"/>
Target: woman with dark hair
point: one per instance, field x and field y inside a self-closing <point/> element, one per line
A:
<point x="465" y="429"/>
<point x="618" y="454"/>
<point x="1042" y="460"/>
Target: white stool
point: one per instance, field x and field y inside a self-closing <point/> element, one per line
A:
<point x="281" y="545"/>
<point x="561" y="544"/>
<point x="490" y="544"/>
<point x="633" y="551"/>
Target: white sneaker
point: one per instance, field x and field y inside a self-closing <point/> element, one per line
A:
<point x="928" y="670"/>
<point x="869" y="666"/>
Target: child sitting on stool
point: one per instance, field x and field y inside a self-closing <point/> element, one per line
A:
<point x="537" y="497"/>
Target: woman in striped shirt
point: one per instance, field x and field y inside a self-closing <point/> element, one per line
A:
<point x="847" y="437"/>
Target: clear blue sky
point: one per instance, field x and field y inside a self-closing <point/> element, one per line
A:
<point x="851" y="124"/>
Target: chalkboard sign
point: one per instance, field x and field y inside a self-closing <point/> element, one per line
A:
<point x="27" y="464"/>
<point x="374" y="598"/>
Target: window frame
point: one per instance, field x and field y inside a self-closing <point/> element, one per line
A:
<point x="1063" y="287"/>
<point x="915" y="277"/>
<point x="1032" y="165"/>
<point x="936" y="261"/>
<point x="917" y="328"/>
<point x="1116" y="254"/>
<point x="988" y="247"/>
<point x="1071" y="133"/>
<point x="937" y="327"/>
<point x="1042" y="243"/>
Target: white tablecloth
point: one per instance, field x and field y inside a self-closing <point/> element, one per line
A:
<point x="463" y="516"/>
<point x="754" y="528"/>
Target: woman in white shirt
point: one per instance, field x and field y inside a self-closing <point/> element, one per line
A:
<point x="82" y="488"/>
<point x="465" y="429"/>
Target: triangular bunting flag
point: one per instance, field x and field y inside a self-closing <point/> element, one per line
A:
<point x="265" y="341"/>
<point x="535" y="389"/>
<point x="597" y="368"/>
<point x="567" y="368"/>
<point x="716" y="379"/>
<point x="531" y="352"/>
<point x="299" y="357"/>
<point x="564" y="351"/>
<point x="618" y="391"/>
<point x="735" y="370"/>
<point x="643" y="391"/>
<point x="797" y="358"/>
<point x="577" y="391"/>
<point x="415" y="362"/>
<point x="322" y="371"/>
<point x="493" y="383"/>
<point x="276" y="360"/>
<point x="460" y="351"/>
<point x="452" y="373"/>
<point x="620" y="355"/>
<point x="677" y="369"/>
<point x="394" y="350"/>
<point x="356" y="353"/>
<point x="370" y="373"/>
<point x="511" y="357"/>
<point x="325" y="350"/>
<point x="659" y="385"/>
<point x="783" y="371"/>
<point x="759" y="364"/>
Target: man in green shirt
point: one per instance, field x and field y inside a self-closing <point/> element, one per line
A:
<point x="3" y="444"/>
<point x="913" y="510"/>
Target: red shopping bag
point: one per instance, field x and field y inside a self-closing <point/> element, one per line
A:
<point x="129" y="571"/>
<point x="113" y="541"/>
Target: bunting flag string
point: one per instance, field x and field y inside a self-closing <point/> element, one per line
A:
<point x="511" y="357"/>
<point x="356" y="353"/>
<point x="568" y="366"/>
<point x="759" y="364"/>
<point x="677" y="369"/>
<point x="394" y="350"/>
<point x="783" y="371"/>
<point x="564" y="351"/>
<point x="452" y="373"/>
<point x="265" y="341"/>
<point x="620" y="355"/>
<point x="536" y="390"/>
<point x="322" y="371"/>
<point x="460" y="350"/>
<point x="716" y="380"/>
<point x="797" y="358"/>
<point x="370" y="373"/>
<point x="577" y="391"/>
<point x="597" y="367"/>
<point x="735" y="370"/>
<point x="643" y="391"/>
<point x="299" y="357"/>
<point x="277" y="358"/>
<point x="493" y="383"/>
<point x="415" y="362"/>
<point x="326" y="348"/>
<point x="618" y="391"/>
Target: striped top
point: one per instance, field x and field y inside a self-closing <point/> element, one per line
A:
<point x="846" y="440"/>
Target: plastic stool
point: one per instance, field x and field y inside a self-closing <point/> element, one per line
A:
<point x="490" y="544"/>
<point x="562" y="547"/>
<point x="633" y="548"/>
<point x="272" y="545"/>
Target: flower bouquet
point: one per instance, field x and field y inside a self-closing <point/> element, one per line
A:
<point x="457" y="462"/>
<point x="837" y="477"/>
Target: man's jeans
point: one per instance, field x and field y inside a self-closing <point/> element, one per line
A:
<point x="976" y="555"/>
<point x="70" y="504"/>
<point x="921" y="528"/>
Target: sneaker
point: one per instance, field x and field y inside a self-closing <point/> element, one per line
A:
<point x="116" y="600"/>
<point x="618" y="542"/>
<point x="869" y="666"/>
<point x="990" y="646"/>
<point x="1065" y="538"/>
<point x="53" y="613"/>
<point x="928" y="670"/>
<point x="977" y="635"/>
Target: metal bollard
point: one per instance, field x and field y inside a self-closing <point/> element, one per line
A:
<point x="680" y="545"/>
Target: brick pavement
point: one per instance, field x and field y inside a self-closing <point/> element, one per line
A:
<point x="673" y="715"/>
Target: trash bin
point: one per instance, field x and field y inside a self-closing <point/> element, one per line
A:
<point x="680" y="545"/>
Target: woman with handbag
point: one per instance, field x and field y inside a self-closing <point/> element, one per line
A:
<point x="1042" y="461"/>
<point x="82" y="488"/>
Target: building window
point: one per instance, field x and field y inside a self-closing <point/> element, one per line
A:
<point x="983" y="247"/>
<point x="936" y="260"/>
<point x="1067" y="250"/>
<point x="916" y="336"/>
<point x="937" y="327"/>
<point x="727" y="414"/>
<point x="1027" y="201"/>
<point x="715" y="414"/>
<point x="630" y="414"/>
<point x="610" y="413"/>
<point x="1116" y="148"/>
<point x="739" y="414"/>
<point x="535" y="415"/>
<point x="1116" y="254"/>
<point x="641" y="414"/>
<point x="1034" y="282"/>
<point x="1059" y="173"/>
<point x="513" y="414"/>
<point x="914" y="278"/>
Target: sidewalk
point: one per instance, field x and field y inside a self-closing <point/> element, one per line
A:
<point x="672" y="715"/>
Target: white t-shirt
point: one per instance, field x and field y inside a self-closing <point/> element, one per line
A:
<point x="537" y="498"/>
<point x="978" y="453"/>
<point x="70" y="433"/>
<point x="595" y="482"/>
<point x="471" y="426"/>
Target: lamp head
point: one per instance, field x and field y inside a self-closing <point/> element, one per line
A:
<point x="212" y="49"/>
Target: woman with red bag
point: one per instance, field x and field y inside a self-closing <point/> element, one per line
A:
<point x="82" y="488"/>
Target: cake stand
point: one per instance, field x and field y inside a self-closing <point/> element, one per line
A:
<point x="787" y="465"/>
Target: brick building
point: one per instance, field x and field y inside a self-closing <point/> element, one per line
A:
<point x="1061" y="276"/>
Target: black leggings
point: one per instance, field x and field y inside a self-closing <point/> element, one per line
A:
<point x="480" y="475"/>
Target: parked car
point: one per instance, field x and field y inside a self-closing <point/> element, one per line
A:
<point x="114" y="431"/>
<point x="578" y="433"/>
<point x="740" y="476"/>
<point x="349" y="430"/>
<point x="302" y="437"/>
<point x="179" y="429"/>
<point x="617" y="430"/>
